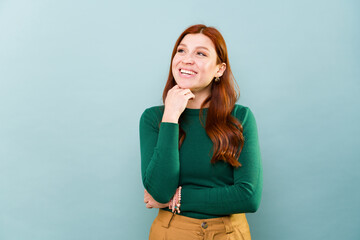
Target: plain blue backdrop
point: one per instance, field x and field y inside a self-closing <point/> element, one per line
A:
<point x="75" y="77"/>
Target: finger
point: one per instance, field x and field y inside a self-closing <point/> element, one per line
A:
<point x="147" y="194"/>
<point x="190" y="96"/>
<point x="174" y="87"/>
<point x="185" y="91"/>
<point x="176" y="91"/>
<point x="148" y="205"/>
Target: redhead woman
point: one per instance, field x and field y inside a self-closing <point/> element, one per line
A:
<point x="200" y="155"/>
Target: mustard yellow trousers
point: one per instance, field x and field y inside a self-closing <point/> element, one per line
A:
<point x="170" y="226"/>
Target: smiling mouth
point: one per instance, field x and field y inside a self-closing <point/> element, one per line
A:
<point x="186" y="72"/>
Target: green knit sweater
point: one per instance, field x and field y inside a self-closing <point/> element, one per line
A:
<point x="208" y="190"/>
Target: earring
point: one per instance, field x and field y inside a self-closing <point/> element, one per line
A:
<point x="217" y="79"/>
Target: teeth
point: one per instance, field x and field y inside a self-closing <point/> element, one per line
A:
<point x="187" y="72"/>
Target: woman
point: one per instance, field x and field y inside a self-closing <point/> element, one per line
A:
<point x="200" y="156"/>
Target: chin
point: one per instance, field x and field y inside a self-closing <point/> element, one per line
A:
<point x="183" y="85"/>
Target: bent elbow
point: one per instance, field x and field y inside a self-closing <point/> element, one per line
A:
<point x="160" y="192"/>
<point x="254" y="202"/>
<point x="160" y="195"/>
<point x="163" y="198"/>
<point x="254" y="205"/>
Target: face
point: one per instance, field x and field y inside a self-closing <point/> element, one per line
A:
<point x="194" y="64"/>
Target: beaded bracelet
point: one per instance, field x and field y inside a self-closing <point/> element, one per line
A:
<point x="176" y="201"/>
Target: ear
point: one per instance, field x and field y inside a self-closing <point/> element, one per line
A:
<point x="221" y="69"/>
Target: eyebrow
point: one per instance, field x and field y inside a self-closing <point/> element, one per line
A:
<point x="181" y="44"/>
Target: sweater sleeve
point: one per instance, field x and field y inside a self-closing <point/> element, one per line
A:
<point x="160" y="165"/>
<point x="241" y="197"/>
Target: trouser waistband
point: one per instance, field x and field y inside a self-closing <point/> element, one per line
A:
<point x="217" y="224"/>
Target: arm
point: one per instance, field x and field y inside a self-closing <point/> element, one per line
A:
<point x="159" y="156"/>
<point x="151" y="203"/>
<point x="160" y="165"/>
<point x="245" y="195"/>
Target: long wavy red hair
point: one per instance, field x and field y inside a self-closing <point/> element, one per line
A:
<point x="224" y="130"/>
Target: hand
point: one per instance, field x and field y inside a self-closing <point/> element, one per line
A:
<point x="151" y="203"/>
<point x="175" y="103"/>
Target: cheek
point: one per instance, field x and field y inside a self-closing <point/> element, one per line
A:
<point x="209" y="68"/>
<point x="174" y="63"/>
<point x="173" y="68"/>
<point x="205" y="68"/>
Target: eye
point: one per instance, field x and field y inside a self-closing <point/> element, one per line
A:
<point x="201" y="54"/>
<point x="180" y="50"/>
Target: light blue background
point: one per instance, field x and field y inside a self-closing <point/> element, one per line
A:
<point x="75" y="77"/>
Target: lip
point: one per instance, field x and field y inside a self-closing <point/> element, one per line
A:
<point x="187" y="69"/>
<point x="186" y="75"/>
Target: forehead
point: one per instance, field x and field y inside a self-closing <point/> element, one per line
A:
<point x="198" y="40"/>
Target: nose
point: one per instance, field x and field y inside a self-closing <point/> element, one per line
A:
<point x="188" y="59"/>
